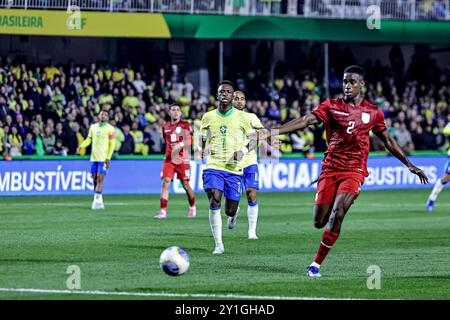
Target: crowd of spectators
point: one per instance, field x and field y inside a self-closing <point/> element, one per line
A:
<point x="47" y="110"/>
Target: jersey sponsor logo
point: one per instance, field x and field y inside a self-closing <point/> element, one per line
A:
<point x="223" y="129"/>
<point x="99" y="133"/>
<point x="365" y="117"/>
<point x="340" y="112"/>
<point x="178" y="130"/>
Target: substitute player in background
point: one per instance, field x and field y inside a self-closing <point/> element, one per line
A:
<point x="439" y="185"/>
<point x="178" y="138"/>
<point x="225" y="129"/>
<point x="102" y="137"/>
<point x="250" y="165"/>
<point x="348" y="122"/>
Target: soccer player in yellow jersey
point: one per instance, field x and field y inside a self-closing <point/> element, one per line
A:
<point x="439" y="186"/>
<point x="102" y="136"/>
<point x="250" y="164"/>
<point x="226" y="131"/>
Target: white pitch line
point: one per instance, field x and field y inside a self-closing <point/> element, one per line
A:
<point x="166" y="294"/>
<point x="65" y="204"/>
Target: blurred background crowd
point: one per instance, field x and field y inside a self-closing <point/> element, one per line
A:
<point x="47" y="109"/>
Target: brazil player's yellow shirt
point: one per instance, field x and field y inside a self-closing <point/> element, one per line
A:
<point x="251" y="157"/>
<point x="103" y="141"/>
<point x="226" y="135"/>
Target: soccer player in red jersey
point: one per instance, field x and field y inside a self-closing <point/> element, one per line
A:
<point x="178" y="137"/>
<point x="348" y="122"/>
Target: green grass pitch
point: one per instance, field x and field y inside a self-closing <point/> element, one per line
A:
<point x="118" y="249"/>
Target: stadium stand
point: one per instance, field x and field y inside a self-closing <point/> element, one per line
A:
<point x="47" y="110"/>
<point x="345" y="9"/>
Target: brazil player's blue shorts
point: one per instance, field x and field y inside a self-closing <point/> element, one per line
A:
<point x="230" y="184"/>
<point x="447" y="167"/>
<point x="251" y="177"/>
<point x="98" y="167"/>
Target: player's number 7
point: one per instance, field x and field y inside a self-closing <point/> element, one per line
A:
<point x="351" y="125"/>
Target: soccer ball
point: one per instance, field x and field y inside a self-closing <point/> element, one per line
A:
<point x="174" y="261"/>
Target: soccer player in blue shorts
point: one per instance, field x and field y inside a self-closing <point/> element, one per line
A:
<point x="439" y="185"/>
<point x="225" y="131"/>
<point x="102" y="136"/>
<point x="250" y="164"/>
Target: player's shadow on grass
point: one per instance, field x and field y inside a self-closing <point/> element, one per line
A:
<point x="146" y="247"/>
<point x="259" y="268"/>
<point x="43" y="260"/>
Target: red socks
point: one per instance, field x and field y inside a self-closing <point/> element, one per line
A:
<point x="328" y="239"/>
<point x="163" y="203"/>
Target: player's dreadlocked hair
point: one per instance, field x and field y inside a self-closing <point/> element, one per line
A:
<point x="228" y="82"/>
<point x="355" y="69"/>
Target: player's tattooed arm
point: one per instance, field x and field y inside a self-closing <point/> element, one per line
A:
<point x="397" y="152"/>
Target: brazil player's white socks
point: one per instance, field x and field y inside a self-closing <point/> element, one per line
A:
<point x="98" y="197"/>
<point x="436" y="190"/>
<point x="215" y="220"/>
<point x="252" y="214"/>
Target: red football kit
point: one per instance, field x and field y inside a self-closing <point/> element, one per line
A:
<point x="347" y="129"/>
<point x="177" y="160"/>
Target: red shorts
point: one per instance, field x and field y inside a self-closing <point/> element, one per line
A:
<point x="332" y="183"/>
<point x="183" y="170"/>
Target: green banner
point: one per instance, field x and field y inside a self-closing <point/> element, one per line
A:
<point x="294" y="28"/>
<point x="147" y="25"/>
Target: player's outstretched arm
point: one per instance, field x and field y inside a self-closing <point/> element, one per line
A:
<point x="291" y="126"/>
<point x="397" y="151"/>
<point x="297" y="124"/>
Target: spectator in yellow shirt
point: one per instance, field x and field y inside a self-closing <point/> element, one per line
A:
<point x="51" y="71"/>
<point x="118" y="75"/>
<point x="185" y="101"/>
<point x="130" y="100"/>
<point x="15" y="142"/>
<point x="76" y="129"/>
<point x="138" y="137"/>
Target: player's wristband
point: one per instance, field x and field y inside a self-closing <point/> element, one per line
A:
<point x="244" y="150"/>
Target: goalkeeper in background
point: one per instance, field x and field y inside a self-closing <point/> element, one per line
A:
<point x="102" y="136"/>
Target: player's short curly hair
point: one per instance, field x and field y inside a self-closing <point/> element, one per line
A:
<point x="175" y="104"/>
<point x="228" y="82"/>
<point x="355" y="69"/>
